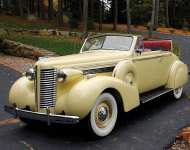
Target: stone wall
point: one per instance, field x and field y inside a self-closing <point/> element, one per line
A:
<point x="21" y="50"/>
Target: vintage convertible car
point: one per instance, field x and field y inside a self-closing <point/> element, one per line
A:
<point x="112" y="73"/>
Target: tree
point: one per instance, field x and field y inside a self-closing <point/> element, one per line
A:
<point x="75" y="15"/>
<point x="152" y="18"/>
<point x="101" y="7"/>
<point x="85" y="16"/>
<point x="40" y="9"/>
<point x="27" y="7"/>
<point x="167" y="14"/>
<point x="50" y="9"/>
<point x="60" y="13"/>
<point x="115" y="15"/>
<point x="1" y="3"/>
<point x="20" y="7"/>
<point x="92" y="9"/>
<point x="128" y="16"/>
<point x="157" y="8"/>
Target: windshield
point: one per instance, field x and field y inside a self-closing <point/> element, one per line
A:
<point x="121" y="43"/>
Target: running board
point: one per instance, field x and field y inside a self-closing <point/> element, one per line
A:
<point x="148" y="96"/>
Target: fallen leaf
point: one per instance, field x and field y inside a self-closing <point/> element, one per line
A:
<point x="9" y="121"/>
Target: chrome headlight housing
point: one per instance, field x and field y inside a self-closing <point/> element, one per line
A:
<point x="30" y="74"/>
<point x="61" y="76"/>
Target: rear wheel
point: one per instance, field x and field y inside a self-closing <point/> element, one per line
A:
<point x="177" y="93"/>
<point x="103" y="115"/>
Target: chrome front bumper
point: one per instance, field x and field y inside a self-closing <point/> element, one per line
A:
<point x="42" y="117"/>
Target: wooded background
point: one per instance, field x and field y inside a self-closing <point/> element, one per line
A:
<point x="73" y="13"/>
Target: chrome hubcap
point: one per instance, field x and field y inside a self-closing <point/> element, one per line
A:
<point x="102" y="114"/>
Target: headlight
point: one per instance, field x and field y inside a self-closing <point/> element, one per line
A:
<point x="61" y="76"/>
<point x="30" y="74"/>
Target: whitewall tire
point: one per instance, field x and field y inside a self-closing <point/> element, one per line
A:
<point x="103" y="115"/>
<point x="177" y="93"/>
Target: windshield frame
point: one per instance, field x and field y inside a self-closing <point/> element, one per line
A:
<point x="99" y="36"/>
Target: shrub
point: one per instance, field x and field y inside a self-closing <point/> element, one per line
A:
<point x="176" y="50"/>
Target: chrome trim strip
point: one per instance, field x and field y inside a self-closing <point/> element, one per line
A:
<point x="43" y="117"/>
<point x="99" y="70"/>
<point x="156" y="96"/>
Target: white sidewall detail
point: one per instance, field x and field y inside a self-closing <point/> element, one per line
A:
<point x="101" y="132"/>
<point x="178" y="92"/>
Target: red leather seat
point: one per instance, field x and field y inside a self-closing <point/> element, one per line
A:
<point x="165" y="45"/>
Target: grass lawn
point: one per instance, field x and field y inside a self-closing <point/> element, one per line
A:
<point x="58" y="44"/>
<point x="12" y="24"/>
<point x="7" y="22"/>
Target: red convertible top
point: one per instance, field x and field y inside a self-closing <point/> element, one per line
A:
<point x="165" y="45"/>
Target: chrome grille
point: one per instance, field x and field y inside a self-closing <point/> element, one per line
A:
<point x="47" y="88"/>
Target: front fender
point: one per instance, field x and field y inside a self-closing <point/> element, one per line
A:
<point x="82" y="97"/>
<point x="22" y="93"/>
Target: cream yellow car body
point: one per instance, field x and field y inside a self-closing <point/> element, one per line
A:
<point x="125" y="74"/>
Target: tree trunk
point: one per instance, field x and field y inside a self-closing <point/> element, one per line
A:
<point x="50" y="9"/>
<point x="152" y="18"/>
<point x="32" y="7"/>
<point x="5" y="4"/>
<point x="85" y="16"/>
<point x="60" y="12"/>
<point x="115" y="15"/>
<point x="92" y="9"/>
<point x="40" y="9"/>
<point x="27" y="7"/>
<point x="16" y="7"/>
<point x="100" y="14"/>
<point x="167" y="14"/>
<point x="157" y="8"/>
<point x="80" y="10"/>
<point x="128" y="16"/>
<point x="20" y="7"/>
<point x="1" y="4"/>
<point x="173" y="12"/>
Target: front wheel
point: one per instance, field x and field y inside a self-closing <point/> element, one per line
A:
<point x="103" y="115"/>
<point x="177" y="93"/>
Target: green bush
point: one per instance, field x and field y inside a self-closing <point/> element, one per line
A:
<point x="176" y="50"/>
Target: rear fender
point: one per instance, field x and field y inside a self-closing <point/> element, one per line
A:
<point x="178" y="75"/>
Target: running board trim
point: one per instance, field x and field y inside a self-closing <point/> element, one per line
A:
<point x="146" y="97"/>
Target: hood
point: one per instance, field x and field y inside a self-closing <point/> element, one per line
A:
<point x="85" y="60"/>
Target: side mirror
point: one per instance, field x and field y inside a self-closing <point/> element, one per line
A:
<point x="139" y="51"/>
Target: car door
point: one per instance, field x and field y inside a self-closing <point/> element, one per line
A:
<point x="152" y="68"/>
